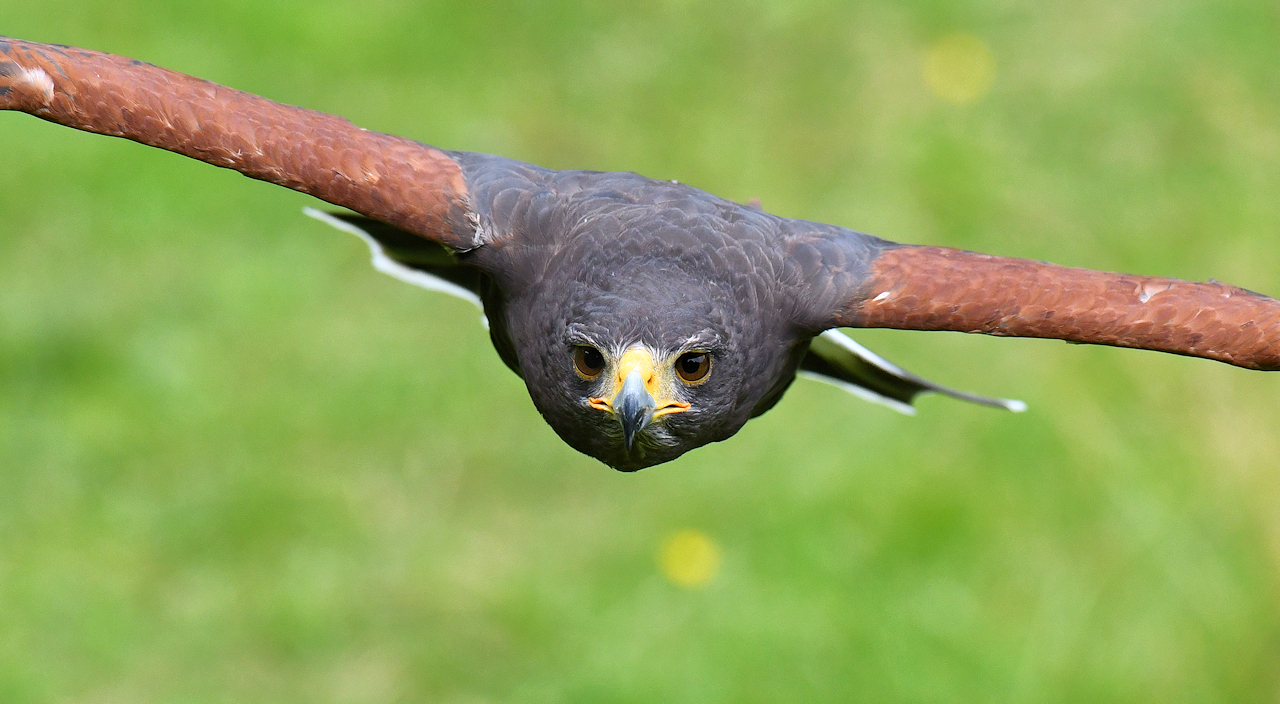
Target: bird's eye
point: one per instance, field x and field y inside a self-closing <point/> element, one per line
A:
<point x="588" y="362"/>
<point x="693" y="367"/>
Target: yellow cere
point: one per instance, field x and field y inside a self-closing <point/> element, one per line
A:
<point x="959" y="68"/>
<point x="689" y="558"/>
<point x="638" y="360"/>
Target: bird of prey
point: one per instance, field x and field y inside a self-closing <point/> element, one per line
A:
<point x="647" y="318"/>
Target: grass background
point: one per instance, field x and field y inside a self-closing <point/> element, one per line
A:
<point x="238" y="465"/>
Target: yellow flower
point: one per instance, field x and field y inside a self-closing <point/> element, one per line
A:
<point x="959" y="68"/>
<point x="689" y="558"/>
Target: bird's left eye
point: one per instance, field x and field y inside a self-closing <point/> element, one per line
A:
<point x="693" y="367"/>
<point x="588" y="361"/>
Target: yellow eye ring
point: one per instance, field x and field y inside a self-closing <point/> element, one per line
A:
<point x="693" y="367"/>
<point x="588" y="362"/>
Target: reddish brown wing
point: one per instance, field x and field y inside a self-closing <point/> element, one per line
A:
<point x="398" y="181"/>
<point x="935" y="288"/>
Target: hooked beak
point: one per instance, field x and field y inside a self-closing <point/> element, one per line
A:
<point x="634" y="406"/>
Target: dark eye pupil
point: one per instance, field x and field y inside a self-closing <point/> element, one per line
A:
<point x="592" y="358"/>
<point x="691" y="363"/>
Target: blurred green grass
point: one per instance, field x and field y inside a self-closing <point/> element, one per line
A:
<point x="237" y="465"/>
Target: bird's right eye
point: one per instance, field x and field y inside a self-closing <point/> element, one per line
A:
<point x="588" y="362"/>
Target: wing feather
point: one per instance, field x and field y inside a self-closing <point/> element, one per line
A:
<point x="836" y="359"/>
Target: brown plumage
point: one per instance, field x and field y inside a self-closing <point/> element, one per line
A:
<point x="937" y="288"/>
<point x="613" y="272"/>
<point x="393" y="179"/>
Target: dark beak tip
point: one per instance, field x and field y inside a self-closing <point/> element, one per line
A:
<point x="633" y="422"/>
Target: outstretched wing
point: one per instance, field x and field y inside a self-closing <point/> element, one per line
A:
<point x="422" y="190"/>
<point x="409" y="185"/>
<point x="936" y="288"/>
<point x="836" y="359"/>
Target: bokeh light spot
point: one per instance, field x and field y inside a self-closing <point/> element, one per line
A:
<point x="689" y="558"/>
<point x="959" y="68"/>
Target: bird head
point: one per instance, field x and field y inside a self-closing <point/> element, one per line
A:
<point x="636" y="372"/>
<point x="638" y="406"/>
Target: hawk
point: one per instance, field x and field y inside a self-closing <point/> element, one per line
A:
<point x="647" y="318"/>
